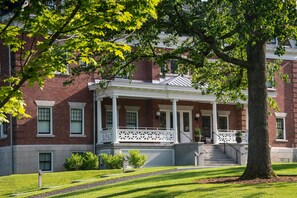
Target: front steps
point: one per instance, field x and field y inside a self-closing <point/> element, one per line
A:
<point x="213" y="156"/>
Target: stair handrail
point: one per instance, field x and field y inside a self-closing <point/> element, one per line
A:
<point x="186" y="135"/>
<point x="225" y="142"/>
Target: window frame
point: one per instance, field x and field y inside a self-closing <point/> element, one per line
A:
<point x="82" y="122"/>
<point x="49" y="105"/>
<point x="80" y="106"/>
<point x="136" y="112"/>
<point x="51" y="162"/>
<point x="50" y="121"/>
<point x="226" y="116"/>
<point x="281" y="116"/>
<point x="3" y="130"/>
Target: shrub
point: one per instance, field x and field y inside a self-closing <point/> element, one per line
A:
<point x="112" y="161"/>
<point x="136" y="159"/>
<point x="90" y="161"/>
<point x="74" y="162"/>
<point x="87" y="161"/>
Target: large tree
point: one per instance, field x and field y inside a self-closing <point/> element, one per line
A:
<point x="49" y="36"/>
<point x="223" y="43"/>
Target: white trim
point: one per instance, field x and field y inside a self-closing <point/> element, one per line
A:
<point x="280" y="115"/>
<point x="77" y="105"/>
<point x="2" y="128"/>
<point x="50" y="134"/>
<point x="226" y="113"/>
<point x="82" y="123"/>
<point x="44" y="103"/>
<point x="52" y="159"/>
<point x="45" y="135"/>
<point x="219" y="112"/>
<point x="284" y="131"/>
<point x="132" y="108"/>
<point x="179" y="108"/>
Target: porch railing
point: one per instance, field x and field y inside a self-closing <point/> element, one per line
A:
<point x="229" y="136"/>
<point x="139" y="135"/>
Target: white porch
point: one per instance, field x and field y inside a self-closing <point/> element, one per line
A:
<point x="155" y="135"/>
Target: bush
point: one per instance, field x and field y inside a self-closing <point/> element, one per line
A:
<point x="87" y="161"/>
<point x="112" y="161"/>
<point x="90" y="161"/>
<point x="136" y="159"/>
<point x="74" y="162"/>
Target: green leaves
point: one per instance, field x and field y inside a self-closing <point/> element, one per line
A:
<point x="56" y="38"/>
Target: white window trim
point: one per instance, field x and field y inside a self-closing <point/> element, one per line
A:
<point x="77" y="105"/>
<point x="227" y="116"/>
<point x="136" y="117"/>
<point x="281" y="115"/>
<point x="45" y="104"/>
<point x="52" y="160"/>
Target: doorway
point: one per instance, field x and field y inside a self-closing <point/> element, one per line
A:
<point x="207" y="127"/>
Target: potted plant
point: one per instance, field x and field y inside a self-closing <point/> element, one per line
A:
<point x="238" y="136"/>
<point x="197" y="132"/>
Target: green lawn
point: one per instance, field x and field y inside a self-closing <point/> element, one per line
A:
<point x="23" y="185"/>
<point x="182" y="184"/>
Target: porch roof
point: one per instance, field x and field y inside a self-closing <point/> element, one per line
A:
<point x="176" y="87"/>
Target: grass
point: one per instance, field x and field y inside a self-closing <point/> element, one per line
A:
<point x="23" y="185"/>
<point x="182" y="184"/>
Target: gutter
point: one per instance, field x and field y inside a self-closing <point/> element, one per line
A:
<point x="10" y="116"/>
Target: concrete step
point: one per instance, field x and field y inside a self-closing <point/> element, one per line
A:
<point x="213" y="156"/>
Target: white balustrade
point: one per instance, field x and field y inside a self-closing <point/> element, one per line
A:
<point x="106" y="135"/>
<point x="145" y="135"/>
<point x="230" y="137"/>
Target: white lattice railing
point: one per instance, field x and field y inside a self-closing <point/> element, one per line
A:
<point x="106" y="135"/>
<point x="145" y="135"/>
<point x="138" y="135"/>
<point x="229" y="136"/>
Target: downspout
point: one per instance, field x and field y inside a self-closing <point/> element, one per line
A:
<point x="10" y="117"/>
<point x="94" y="122"/>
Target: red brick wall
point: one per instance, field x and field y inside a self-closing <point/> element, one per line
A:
<point x="54" y="90"/>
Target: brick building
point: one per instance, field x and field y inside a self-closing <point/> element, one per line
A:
<point x="153" y="113"/>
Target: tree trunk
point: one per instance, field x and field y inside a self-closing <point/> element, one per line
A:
<point x="259" y="162"/>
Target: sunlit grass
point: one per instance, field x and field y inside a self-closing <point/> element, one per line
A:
<point x="183" y="184"/>
<point x="27" y="184"/>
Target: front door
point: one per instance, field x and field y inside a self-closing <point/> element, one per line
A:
<point x="206" y="126"/>
<point x="183" y="126"/>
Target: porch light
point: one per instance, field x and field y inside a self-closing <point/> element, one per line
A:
<point x="158" y="113"/>
<point x="197" y="115"/>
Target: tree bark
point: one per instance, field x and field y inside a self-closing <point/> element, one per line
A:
<point x="259" y="162"/>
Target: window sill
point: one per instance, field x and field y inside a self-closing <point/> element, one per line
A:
<point x="3" y="138"/>
<point x="279" y="140"/>
<point x="45" y="135"/>
<point x="77" y="135"/>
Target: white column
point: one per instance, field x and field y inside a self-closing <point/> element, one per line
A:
<point x="114" y="119"/>
<point x="174" y="119"/>
<point x="99" y="120"/>
<point x="215" y="122"/>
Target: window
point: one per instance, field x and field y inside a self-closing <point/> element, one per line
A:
<point x="280" y="128"/>
<point x="45" y="161"/>
<point x="173" y="66"/>
<point x="223" y="123"/>
<point x="44" y="120"/>
<point x="76" y="121"/>
<point x="131" y="119"/>
<point x="108" y="119"/>
<point x="44" y="117"/>
<point x="163" y="119"/>
<point x="3" y="130"/>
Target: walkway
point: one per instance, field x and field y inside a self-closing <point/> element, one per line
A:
<point x="106" y="182"/>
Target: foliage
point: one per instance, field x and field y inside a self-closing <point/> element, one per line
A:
<point x="112" y="161"/>
<point x="197" y="131"/>
<point x="222" y="43"/>
<point x="50" y="37"/>
<point x="90" y="161"/>
<point x="74" y="162"/>
<point x="238" y="134"/>
<point x="86" y="161"/>
<point x="136" y="159"/>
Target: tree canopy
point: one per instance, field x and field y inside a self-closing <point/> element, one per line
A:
<point x="223" y="42"/>
<point x="48" y="36"/>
